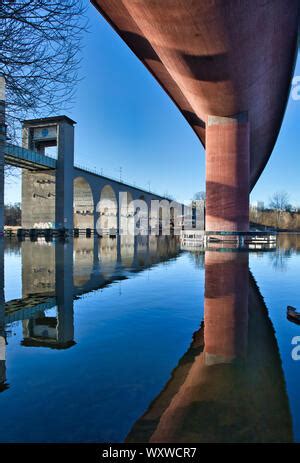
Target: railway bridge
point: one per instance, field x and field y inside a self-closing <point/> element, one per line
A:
<point x="58" y="194"/>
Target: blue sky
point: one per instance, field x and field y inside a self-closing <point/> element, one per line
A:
<point x="124" y="119"/>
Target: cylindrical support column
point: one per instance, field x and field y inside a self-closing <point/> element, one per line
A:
<point x="2" y="147"/>
<point x="227" y="173"/>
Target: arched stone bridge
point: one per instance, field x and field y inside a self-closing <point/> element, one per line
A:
<point x="56" y="193"/>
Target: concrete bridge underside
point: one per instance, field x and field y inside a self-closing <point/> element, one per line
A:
<point x="227" y="65"/>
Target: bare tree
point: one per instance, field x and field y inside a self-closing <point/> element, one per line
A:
<point x="12" y="214"/>
<point x="198" y="200"/>
<point x="40" y="42"/>
<point x="279" y="202"/>
<point x="200" y="195"/>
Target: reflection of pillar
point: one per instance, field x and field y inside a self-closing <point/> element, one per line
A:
<point x="119" y="254"/>
<point x="2" y="359"/>
<point x="95" y="252"/>
<point x="225" y="306"/>
<point x="210" y="398"/>
<point x="64" y="176"/>
<point x="227" y="173"/>
<point x="2" y="145"/>
<point x="127" y="250"/>
<point x="2" y="319"/>
<point x="64" y="292"/>
<point x="141" y="251"/>
<point x="135" y="252"/>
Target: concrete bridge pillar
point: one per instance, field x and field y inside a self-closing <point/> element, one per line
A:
<point x="95" y="253"/>
<point x="119" y="250"/>
<point x="64" y="176"/>
<point x="2" y="145"/>
<point x="227" y="173"/>
<point x="118" y="212"/>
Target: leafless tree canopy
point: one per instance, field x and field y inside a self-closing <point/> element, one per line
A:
<point x="39" y="55"/>
<point x="280" y="201"/>
<point x="200" y="195"/>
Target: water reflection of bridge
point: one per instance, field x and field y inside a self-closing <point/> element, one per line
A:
<point x="91" y="264"/>
<point x="229" y="385"/>
<point x="54" y="275"/>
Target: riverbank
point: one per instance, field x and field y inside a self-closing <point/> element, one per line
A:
<point x="279" y="221"/>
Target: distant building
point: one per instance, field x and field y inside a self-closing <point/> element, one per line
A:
<point x="260" y="205"/>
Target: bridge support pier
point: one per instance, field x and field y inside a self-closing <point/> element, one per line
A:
<point x="227" y="173"/>
<point x="64" y="176"/>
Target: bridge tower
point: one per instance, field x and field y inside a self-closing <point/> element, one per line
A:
<point x="47" y="197"/>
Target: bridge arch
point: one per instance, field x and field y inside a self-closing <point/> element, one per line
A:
<point x="83" y="204"/>
<point x="108" y="210"/>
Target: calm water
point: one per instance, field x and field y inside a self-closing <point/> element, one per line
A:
<point x="107" y="341"/>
